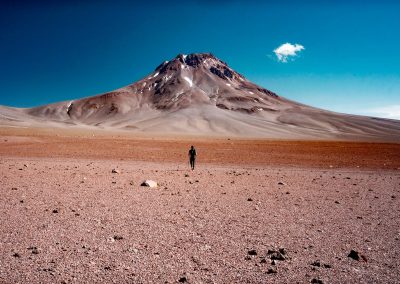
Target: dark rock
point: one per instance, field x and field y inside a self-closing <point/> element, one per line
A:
<point x="363" y="257"/>
<point x="16" y="255"/>
<point x="281" y="183"/>
<point x="183" y="279"/>
<point x="327" y="266"/>
<point x="252" y="252"/>
<point x="271" y="270"/>
<point x="317" y="281"/>
<point x="55" y="211"/>
<point x="228" y="73"/>
<point x="217" y="72"/>
<point x="276" y="255"/>
<point x="249" y="199"/>
<point x="34" y="250"/>
<point x="354" y="255"/>
<point x="194" y="60"/>
<point x="316" y="263"/>
<point x="117" y="238"/>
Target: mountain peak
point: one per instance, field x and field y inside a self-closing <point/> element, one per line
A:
<point x="195" y="59"/>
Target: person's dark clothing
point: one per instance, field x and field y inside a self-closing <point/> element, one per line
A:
<point x="192" y="157"/>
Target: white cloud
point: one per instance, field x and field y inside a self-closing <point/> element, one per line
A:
<point x="287" y="50"/>
<point x="392" y="111"/>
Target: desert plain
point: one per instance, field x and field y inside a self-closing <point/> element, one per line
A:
<point x="253" y="211"/>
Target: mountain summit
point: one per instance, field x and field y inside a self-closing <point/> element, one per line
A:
<point x="198" y="94"/>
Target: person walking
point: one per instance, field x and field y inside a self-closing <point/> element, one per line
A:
<point x="192" y="156"/>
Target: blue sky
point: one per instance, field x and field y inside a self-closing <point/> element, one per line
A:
<point x="58" y="50"/>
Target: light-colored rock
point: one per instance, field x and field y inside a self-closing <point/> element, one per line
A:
<point x="115" y="171"/>
<point x="149" y="183"/>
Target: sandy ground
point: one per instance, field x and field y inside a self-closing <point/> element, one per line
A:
<point x="66" y="218"/>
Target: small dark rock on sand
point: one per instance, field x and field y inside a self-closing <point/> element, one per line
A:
<point x="354" y="255"/>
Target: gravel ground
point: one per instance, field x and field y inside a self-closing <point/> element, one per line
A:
<point x="74" y="221"/>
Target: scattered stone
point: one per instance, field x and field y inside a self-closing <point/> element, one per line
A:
<point x="14" y="188"/>
<point x="317" y="281"/>
<point x="271" y="270"/>
<point x="117" y="237"/>
<point x="16" y="255"/>
<point x="34" y="250"/>
<point x="354" y="255"/>
<point x="183" y="279"/>
<point x="186" y="175"/>
<point x="149" y="183"/>
<point x="263" y="260"/>
<point x="277" y="255"/>
<point x="249" y="199"/>
<point x="327" y="266"/>
<point x="337" y="202"/>
<point x="115" y="171"/>
<point x="363" y="257"/>
<point x="316" y="263"/>
<point x="252" y="252"/>
<point x="273" y="262"/>
<point x="55" y="211"/>
<point x="281" y="183"/>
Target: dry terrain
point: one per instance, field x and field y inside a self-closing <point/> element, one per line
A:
<point x="253" y="211"/>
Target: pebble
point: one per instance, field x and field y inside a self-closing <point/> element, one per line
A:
<point x="354" y="255"/>
<point x="252" y="252"/>
<point x="277" y="255"/>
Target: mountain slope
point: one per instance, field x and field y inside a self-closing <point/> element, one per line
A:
<point x="198" y="94"/>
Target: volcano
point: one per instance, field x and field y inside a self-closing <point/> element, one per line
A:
<point x="198" y="94"/>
